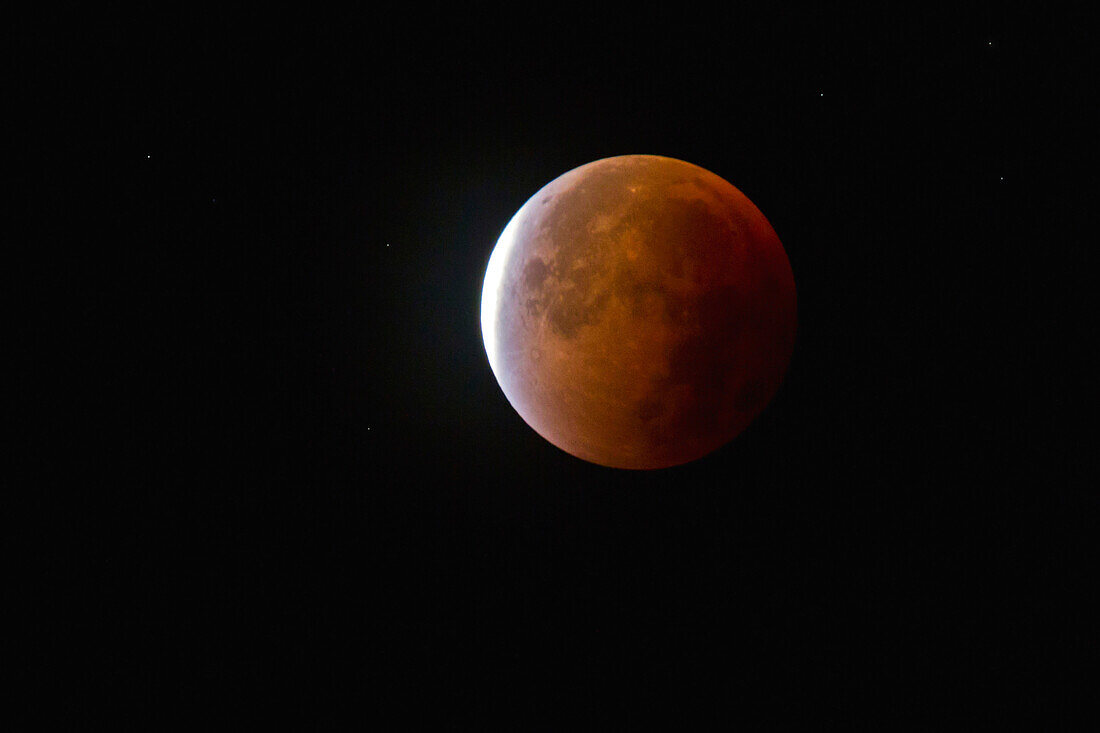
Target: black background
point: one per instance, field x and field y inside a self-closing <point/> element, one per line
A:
<point x="277" y="477"/>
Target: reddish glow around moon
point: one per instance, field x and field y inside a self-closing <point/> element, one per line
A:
<point x="638" y="312"/>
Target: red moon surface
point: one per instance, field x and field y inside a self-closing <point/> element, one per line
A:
<point x="638" y="312"/>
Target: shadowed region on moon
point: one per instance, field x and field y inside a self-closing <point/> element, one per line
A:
<point x="638" y="312"/>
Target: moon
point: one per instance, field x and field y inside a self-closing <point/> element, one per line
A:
<point x="638" y="312"/>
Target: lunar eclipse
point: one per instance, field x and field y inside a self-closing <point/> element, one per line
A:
<point x="639" y="312"/>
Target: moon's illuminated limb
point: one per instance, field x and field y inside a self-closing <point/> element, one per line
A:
<point x="490" y="292"/>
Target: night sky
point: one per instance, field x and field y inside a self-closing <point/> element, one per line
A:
<point x="300" y="493"/>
